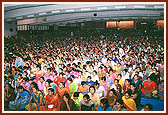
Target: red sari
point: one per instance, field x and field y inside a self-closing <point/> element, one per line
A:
<point x="148" y="86"/>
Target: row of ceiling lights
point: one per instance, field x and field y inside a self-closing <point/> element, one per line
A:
<point x="116" y="7"/>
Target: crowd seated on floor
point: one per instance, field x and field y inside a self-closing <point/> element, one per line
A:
<point x="91" y="70"/>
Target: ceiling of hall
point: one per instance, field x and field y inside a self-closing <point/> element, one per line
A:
<point x="77" y="12"/>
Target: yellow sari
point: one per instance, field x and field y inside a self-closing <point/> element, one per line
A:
<point x="129" y="104"/>
<point x="121" y="82"/>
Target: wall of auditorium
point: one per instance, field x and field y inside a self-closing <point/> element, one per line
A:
<point x="10" y="29"/>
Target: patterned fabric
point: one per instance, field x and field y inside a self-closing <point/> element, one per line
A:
<point x="21" y="99"/>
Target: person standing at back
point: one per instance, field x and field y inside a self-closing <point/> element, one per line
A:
<point x="18" y="61"/>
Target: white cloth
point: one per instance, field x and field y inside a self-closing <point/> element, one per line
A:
<point x="95" y="78"/>
<point x="125" y="77"/>
<point x="104" y="60"/>
<point x="100" y="90"/>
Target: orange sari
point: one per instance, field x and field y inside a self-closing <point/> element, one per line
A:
<point x="52" y="102"/>
<point x="61" y="92"/>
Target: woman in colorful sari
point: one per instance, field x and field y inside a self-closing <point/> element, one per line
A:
<point x="48" y="74"/>
<point x="83" y="88"/>
<point x="129" y="103"/>
<point x="38" y="73"/>
<point x="22" y="99"/>
<point x="32" y="85"/>
<point x="127" y="85"/>
<point x="25" y="83"/>
<point x="77" y="97"/>
<point x="149" y="88"/>
<point x="71" y="86"/>
<point x="94" y="96"/>
<point x="36" y="100"/>
<point x="47" y="85"/>
<point x="118" y="67"/>
<point x="104" y="83"/>
<point x="110" y="78"/>
<point x="52" y="102"/>
<point x="61" y="90"/>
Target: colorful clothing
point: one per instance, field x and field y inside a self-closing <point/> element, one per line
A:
<point x="45" y="91"/>
<point x="19" y="62"/>
<point x="39" y="74"/>
<point x="148" y="87"/>
<point x="137" y="84"/>
<point x="61" y="92"/>
<point x="27" y="85"/>
<point x="72" y="88"/>
<point x="109" y="81"/>
<point x="129" y="104"/>
<point x="118" y="69"/>
<point x="95" y="98"/>
<point x="41" y="85"/>
<point x="101" y="109"/>
<point x="36" y="100"/>
<point x="84" y="90"/>
<point x="121" y="82"/>
<point x="51" y="104"/>
<point x="21" y="98"/>
<point x="58" y="80"/>
<point x="90" y="83"/>
<point x="53" y="85"/>
<point x="161" y="92"/>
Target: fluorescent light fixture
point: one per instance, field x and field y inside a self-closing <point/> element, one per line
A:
<point x="43" y="13"/>
<point x="69" y="10"/>
<point x="134" y="17"/>
<point x="85" y="9"/>
<point x="106" y="18"/>
<point x="19" y="18"/>
<point x="124" y="17"/>
<point x="9" y="19"/>
<point x="115" y="18"/>
<point x="120" y="6"/>
<point x="30" y="16"/>
<point x="102" y="8"/>
<point x="139" y="6"/>
<point x="160" y="6"/>
<point x="55" y="11"/>
<point x="144" y="17"/>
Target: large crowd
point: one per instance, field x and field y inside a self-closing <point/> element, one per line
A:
<point x="89" y="70"/>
